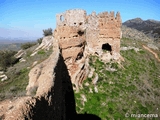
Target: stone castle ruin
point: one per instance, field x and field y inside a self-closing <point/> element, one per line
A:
<point x="80" y="35"/>
<point x="102" y="31"/>
<point x="50" y="95"/>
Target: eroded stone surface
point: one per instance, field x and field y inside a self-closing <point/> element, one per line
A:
<point x="46" y="44"/>
<point x="81" y="35"/>
<point x="78" y="36"/>
<point x="41" y="76"/>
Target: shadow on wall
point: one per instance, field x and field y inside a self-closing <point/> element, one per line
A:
<point x="61" y="104"/>
<point x="63" y="99"/>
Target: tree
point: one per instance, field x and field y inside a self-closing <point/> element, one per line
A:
<point x="39" y="41"/>
<point x="47" y="32"/>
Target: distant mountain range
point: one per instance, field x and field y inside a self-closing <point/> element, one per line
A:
<point x="149" y="27"/>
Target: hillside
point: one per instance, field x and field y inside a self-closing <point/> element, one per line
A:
<point x="130" y="87"/>
<point x="111" y="90"/>
<point x="17" y="75"/>
<point x="80" y="71"/>
<point x="134" y="34"/>
<point x="150" y="27"/>
<point x="13" y="46"/>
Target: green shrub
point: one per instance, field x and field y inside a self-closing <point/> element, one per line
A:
<point x="47" y="32"/>
<point x="27" y="45"/>
<point x="39" y="41"/>
<point x="7" y="59"/>
<point x="41" y="52"/>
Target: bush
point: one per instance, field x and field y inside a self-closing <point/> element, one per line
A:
<point x="7" y="59"/>
<point x="41" y="52"/>
<point x="39" y="41"/>
<point x="47" y="32"/>
<point x="27" y="45"/>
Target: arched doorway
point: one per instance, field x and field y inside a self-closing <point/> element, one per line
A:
<point x="107" y="47"/>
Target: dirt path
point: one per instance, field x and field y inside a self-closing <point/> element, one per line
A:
<point x="154" y="53"/>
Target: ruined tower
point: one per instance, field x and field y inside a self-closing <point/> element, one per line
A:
<point x="70" y="33"/>
<point x="80" y="34"/>
<point x="103" y="33"/>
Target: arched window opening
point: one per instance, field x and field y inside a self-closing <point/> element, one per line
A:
<point x="61" y="18"/>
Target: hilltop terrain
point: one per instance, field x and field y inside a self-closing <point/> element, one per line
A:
<point x="149" y="27"/>
<point x="74" y="74"/>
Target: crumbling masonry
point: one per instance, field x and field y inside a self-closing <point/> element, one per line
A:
<point x="80" y="34"/>
<point x="75" y="38"/>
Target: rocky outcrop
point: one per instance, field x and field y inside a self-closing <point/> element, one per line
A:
<point x="45" y="45"/>
<point x="41" y="76"/>
<point x="53" y="99"/>
<point x="3" y="77"/>
<point x="20" y="53"/>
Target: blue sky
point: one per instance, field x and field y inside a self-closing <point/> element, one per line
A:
<point x="26" y="19"/>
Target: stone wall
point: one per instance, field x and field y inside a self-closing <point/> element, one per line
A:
<point x="99" y="29"/>
<point x="50" y="94"/>
<point x="75" y="17"/>
<point x="72" y="45"/>
<point x="92" y="32"/>
<point x="80" y="35"/>
<point x="102" y="29"/>
<point x="75" y="38"/>
<point x="70" y="32"/>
